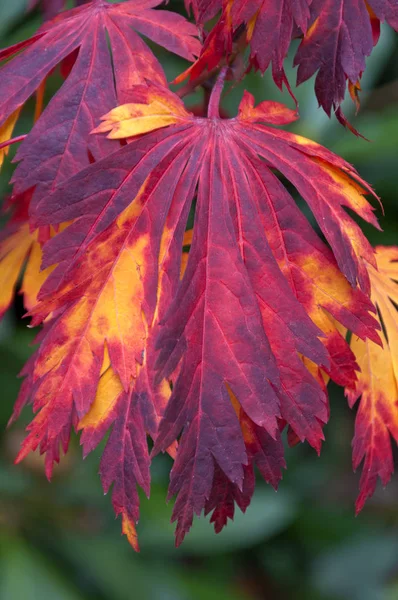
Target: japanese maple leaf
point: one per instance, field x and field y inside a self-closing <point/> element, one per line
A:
<point x="270" y="28"/>
<point x="232" y="320"/>
<point x="377" y="386"/>
<point x="117" y="366"/>
<point x="338" y="36"/>
<point x="99" y="335"/>
<point x="336" y="44"/>
<point x="59" y="144"/>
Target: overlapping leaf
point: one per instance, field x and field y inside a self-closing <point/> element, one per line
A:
<point x="338" y="37"/>
<point x="270" y="28"/>
<point x="20" y="252"/>
<point x="59" y="144"/>
<point x="377" y="386"/>
<point x="264" y="452"/>
<point x="217" y="46"/>
<point x="237" y="324"/>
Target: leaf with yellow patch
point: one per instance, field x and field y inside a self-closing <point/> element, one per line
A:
<point x="159" y="108"/>
<point x="18" y="250"/>
<point x="377" y="416"/>
<point x="99" y="312"/>
<point x="240" y="318"/>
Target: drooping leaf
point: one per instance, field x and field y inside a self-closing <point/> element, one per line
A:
<point x="340" y="38"/>
<point x="377" y="386"/>
<point x="267" y="26"/>
<point x="59" y="144"/>
<point x="264" y="452"/>
<point x="270" y="29"/>
<point x="105" y="321"/>
<point x="233" y="324"/>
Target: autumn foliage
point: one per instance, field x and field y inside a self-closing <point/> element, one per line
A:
<point x="185" y="302"/>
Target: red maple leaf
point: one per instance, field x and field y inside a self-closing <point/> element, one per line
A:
<point x="238" y="322"/>
<point x="211" y="340"/>
<point x="340" y="37"/>
<point x="59" y="144"/>
<point x="270" y="28"/>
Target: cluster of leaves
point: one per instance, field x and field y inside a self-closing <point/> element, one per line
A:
<point x="211" y="340"/>
<point x="336" y="37"/>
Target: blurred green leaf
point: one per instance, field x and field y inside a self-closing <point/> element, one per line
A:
<point x="11" y="12"/>
<point x="26" y="575"/>
<point x="268" y="514"/>
<point x="357" y="570"/>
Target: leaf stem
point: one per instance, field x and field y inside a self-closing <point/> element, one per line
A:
<point x="214" y="102"/>
<point x="15" y="140"/>
<point x="193" y="84"/>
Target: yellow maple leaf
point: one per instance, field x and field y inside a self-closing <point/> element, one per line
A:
<point x="158" y="109"/>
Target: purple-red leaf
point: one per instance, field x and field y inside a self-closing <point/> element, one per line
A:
<point x="232" y="334"/>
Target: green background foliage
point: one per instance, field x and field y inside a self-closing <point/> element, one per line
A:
<point x="60" y="540"/>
